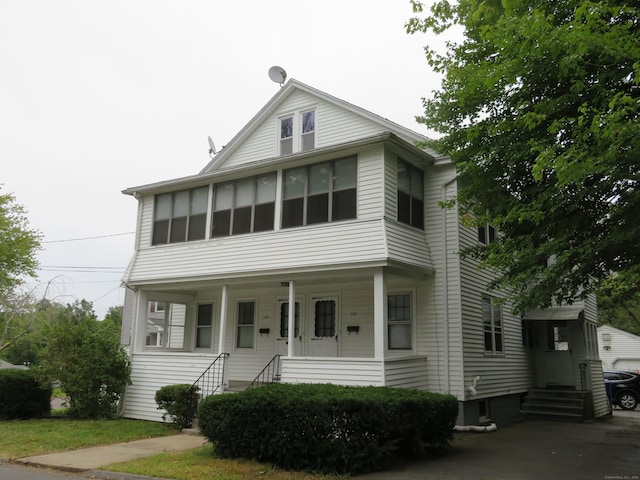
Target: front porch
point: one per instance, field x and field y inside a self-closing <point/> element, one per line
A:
<point x="369" y="327"/>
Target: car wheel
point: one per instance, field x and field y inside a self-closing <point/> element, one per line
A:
<point x="627" y="401"/>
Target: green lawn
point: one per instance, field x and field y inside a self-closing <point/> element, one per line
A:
<point x="23" y="438"/>
<point x="202" y="464"/>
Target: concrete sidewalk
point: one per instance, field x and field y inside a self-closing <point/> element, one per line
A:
<point x="93" y="458"/>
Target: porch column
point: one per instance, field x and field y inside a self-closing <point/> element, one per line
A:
<point x="379" y="313"/>
<point x="292" y="319"/>
<point x="223" y="319"/>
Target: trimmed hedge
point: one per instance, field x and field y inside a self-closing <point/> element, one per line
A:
<point x="180" y="402"/>
<point x="327" y="428"/>
<point x="22" y="396"/>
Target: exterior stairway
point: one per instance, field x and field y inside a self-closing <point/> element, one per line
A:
<point x="552" y="404"/>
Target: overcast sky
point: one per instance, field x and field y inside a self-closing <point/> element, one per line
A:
<point x="98" y="96"/>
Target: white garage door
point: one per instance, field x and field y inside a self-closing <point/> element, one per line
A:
<point x="632" y="364"/>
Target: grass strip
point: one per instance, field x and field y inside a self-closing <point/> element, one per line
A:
<point x="24" y="438"/>
<point x="202" y="464"/>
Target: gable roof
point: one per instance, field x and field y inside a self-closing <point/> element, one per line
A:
<point x="285" y="92"/>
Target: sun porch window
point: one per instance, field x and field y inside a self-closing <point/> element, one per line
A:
<point x="180" y="216"/>
<point x="320" y="193"/>
<point x="244" y="206"/>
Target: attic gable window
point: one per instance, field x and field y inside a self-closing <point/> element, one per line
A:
<point x="244" y="206"/>
<point x="320" y="193"/>
<point x="297" y="132"/>
<point x="286" y="135"/>
<point x="308" y="130"/>
<point x="180" y="216"/>
<point x="410" y="194"/>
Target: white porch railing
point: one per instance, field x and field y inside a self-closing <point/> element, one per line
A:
<point x="407" y="372"/>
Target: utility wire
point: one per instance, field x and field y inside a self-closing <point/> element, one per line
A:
<point x="88" y="238"/>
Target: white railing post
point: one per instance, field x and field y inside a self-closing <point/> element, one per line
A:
<point x="223" y="319"/>
<point x="379" y="313"/>
<point x="292" y="319"/>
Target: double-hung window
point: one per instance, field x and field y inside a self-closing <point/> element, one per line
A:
<point x="492" y="326"/>
<point x="399" y="322"/>
<point x="244" y="206"/>
<point x="487" y="234"/>
<point x="204" y="326"/>
<point x="245" y="330"/>
<point x="180" y="216"/>
<point x="320" y="193"/>
<point x="410" y="194"/>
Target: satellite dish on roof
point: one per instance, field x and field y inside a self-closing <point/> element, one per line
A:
<point x="277" y="74"/>
<point x="212" y="147"/>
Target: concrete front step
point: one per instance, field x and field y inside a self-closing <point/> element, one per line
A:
<point x="555" y="404"/>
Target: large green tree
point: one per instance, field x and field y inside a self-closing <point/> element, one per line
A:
<point x="19" y="244"/>
<point x="539" y="110"/>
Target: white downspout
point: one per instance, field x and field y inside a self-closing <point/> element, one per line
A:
<point x="445" y="272"/>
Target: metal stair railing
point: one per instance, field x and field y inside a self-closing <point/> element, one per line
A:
<point x="212" y="379"/>
<point x="269" y="374"/>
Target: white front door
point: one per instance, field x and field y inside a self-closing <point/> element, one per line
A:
<point x="282" y="338"/>
<point x="323" y="333"/>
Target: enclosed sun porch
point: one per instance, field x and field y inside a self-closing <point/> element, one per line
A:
<point x="370" y="326"/>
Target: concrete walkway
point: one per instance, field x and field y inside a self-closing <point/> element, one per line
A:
<point x="93" y="458"/>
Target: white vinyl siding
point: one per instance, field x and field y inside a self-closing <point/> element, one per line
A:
<point x="501" y="374"/>
<point x="152" y="371"/>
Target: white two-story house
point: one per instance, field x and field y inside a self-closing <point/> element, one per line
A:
<point x="315" y="245"/>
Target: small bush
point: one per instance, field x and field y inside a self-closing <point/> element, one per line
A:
<point x="180" y="402"/>
<point x="21" y="396"/>
<point x="327" y="428"/>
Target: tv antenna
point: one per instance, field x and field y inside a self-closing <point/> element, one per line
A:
<point x="277" y="74"/>
<point x="212" y="147"/>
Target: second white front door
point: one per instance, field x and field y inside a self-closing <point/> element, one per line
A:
<point x="324" y="328"/>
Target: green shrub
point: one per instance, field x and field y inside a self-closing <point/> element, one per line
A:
<point x="21" y="396"/>
<point x="180" y="402"/>
<point x="91" y="366"/>
<point x="327" y="428"/>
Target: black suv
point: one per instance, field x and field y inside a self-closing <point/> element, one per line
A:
<point x="623" y="388"/>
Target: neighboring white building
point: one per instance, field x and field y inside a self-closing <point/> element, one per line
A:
<point x="619" y="350"/>
<point x="317" y="234"/>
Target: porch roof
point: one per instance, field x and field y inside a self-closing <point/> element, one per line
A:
<point x="558" y="313"/>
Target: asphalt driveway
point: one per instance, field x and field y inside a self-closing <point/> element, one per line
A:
<point x="532" y="450"/>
